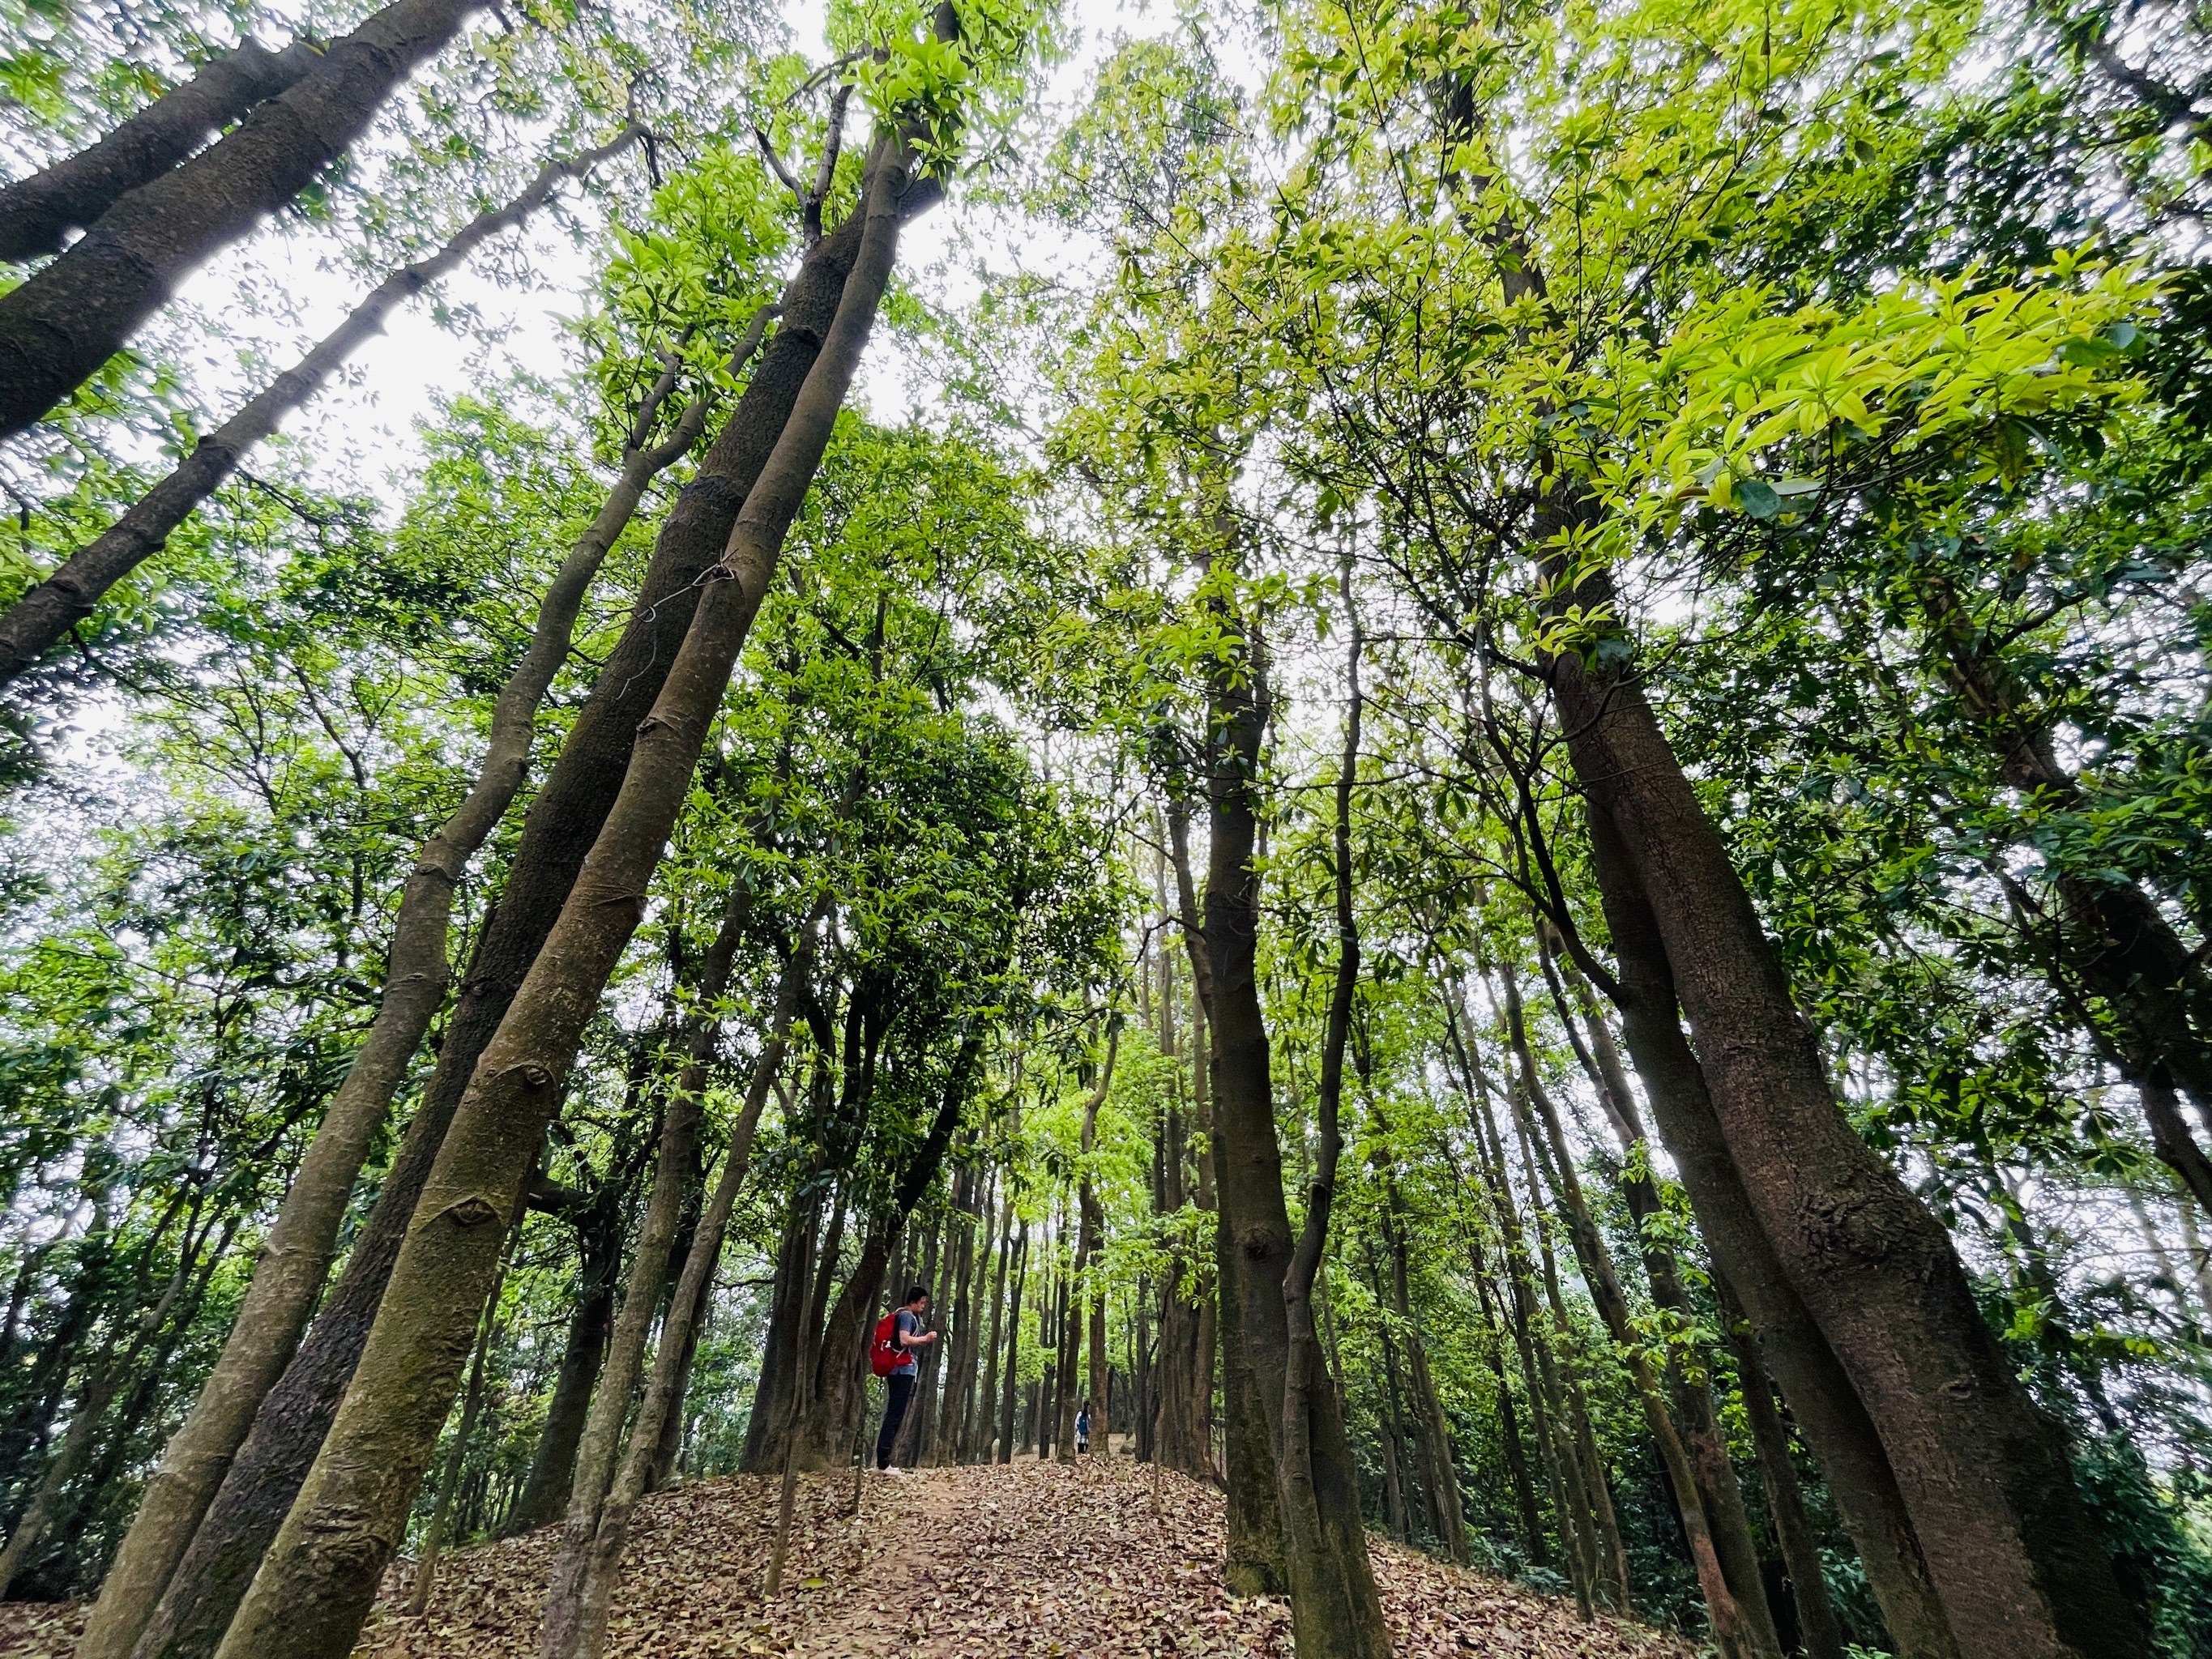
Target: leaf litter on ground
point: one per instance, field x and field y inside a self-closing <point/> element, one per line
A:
<point x="1025" y="1560"/>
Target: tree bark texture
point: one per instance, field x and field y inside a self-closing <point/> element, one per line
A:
<point x="1253" y="1563"/>
<point x="315" y="1588"/>
<point x="1330" y="1582"/>
<point x="2009" y="1542"/>
<point x="38" y="621"/>
<point x="565" y="815"/>
<point x="1827" y="1408"/>
<point x="36" y="213"/>
<point x="296" y="1256"/>
<point x="76" y="313"/>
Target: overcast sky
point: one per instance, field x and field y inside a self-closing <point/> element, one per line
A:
<point x="364" y="428"/>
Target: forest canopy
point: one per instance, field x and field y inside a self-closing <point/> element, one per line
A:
<point x="1454" y="757"/>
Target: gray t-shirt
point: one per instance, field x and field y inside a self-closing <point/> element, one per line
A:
<point x="909" y="1324"/>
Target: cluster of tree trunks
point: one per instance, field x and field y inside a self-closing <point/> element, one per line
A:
<point x="279" y="1502"/>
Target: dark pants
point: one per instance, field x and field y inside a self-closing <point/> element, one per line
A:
<point x="894" y="1415"/>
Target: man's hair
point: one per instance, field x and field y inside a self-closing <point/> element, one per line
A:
<point x="915" y="1293"/>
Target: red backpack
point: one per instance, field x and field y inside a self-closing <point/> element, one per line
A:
<point x="884" y="1355"/>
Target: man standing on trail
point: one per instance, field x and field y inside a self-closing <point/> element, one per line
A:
<point x="904" y="1335"/>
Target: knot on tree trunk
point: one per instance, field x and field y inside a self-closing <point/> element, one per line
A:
<point x="474" y="1211"/>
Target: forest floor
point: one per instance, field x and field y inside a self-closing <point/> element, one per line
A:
<point x="1026" y="1560"/>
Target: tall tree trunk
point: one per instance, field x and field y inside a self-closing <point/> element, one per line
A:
<point x="1818" y="1627"/>
<point x="1334" y="1608"/>
<point x="553" y="1463"/>
<point x="1326" y="1573"/>
<point x="1439" y="1475"/>
<point x="583" y="1612"/>
<point x="37" y="213"/>
<point x="1727" y="1562"/>
<point x="1509" y="1428"/>
<point x="315" y="1588"/>
<point x="1052" y="1322"/>
<point x="77" y="311"/>
<point x="37" y="622"/>
<point x="565" y="815"/>
<point x="1820" y="1394"/>
<point x="1252" y="1561"/>
<point x="980" y="1445"/>
<point x="2012" y="1548"/>
<point x="1014" y="1345"/>
<point x="1090" y="1240"/>
<point x="1068" y="1356"/>
<point x="296" y="1258"/>
<point x="1548" y="1406"/>
<point x="960" y="1363"/>
<point x="435" y="1534"/>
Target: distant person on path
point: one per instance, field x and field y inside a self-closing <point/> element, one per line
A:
<point x="1083" y="1427"/>
<point x="897" y="1335"/>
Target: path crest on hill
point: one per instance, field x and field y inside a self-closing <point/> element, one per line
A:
<point x="1025" y="1560"/>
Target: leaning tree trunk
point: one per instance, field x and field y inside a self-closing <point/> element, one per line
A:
<point x="133" y="1602"/>
<point x="74" y="314"/>
<point x="37" y="213"/>
<point x="1818" y="1628"/>
<point x="582" y="1594"/>
<point x="674" y="1166"/>
<point x="1829" y="1412"/>
<point x="2010" y="1546"/>
<point x="316" y="1584"/>
<point x="440" y="1526"/>
<point x="565" y="815"/>
<point x="38" y="621"/>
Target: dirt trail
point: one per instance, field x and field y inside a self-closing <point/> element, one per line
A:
<point x="1022" y="1561"/>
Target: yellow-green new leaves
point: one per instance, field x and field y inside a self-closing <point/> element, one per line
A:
<point x="1757" y="410"/>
